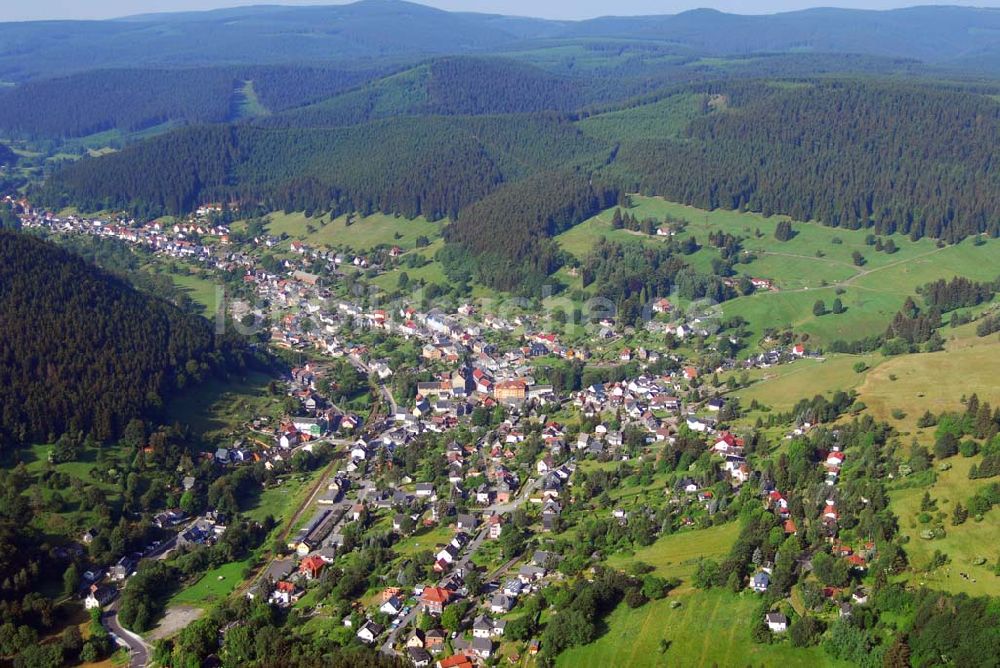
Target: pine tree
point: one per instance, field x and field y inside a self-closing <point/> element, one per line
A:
<point x="959" y="515"/>
<point x="616" y="220"/>
<point x="783" y="231"/>
<point x="927" y="504"/>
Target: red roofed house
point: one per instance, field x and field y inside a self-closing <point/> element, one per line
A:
<point x="433" y="599"/>
<point x="312" y="566"/>
<point x="456" y="661"/>
<point x="857" y="561"/>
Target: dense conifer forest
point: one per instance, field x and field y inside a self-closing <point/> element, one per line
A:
<point x="132" y="100"/>
<point x="915" y="159"/>
<point x="84" y="352"/>
<point x="897" y="157"/>
<point x="430" y="166"/>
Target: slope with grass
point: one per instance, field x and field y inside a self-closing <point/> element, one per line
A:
<point x="216" y="408"/>
<point x="815" y="264"/>
<point x="781" y="387"/>
<point x="676" y="555"/>
<point x="708" y="628"/>
<point x="934" y="381"/>
<point x="964" y="544"/>
<point x="362" y="234"/>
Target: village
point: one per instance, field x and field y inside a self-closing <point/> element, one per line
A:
<point x="520" y="440"/>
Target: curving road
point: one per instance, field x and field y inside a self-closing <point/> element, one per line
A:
<point x="137" y="648"/>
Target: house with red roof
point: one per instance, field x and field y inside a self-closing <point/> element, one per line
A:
<point x="434" y="599"/>
<point x="312" y="566"/>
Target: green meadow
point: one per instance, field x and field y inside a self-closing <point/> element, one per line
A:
<point x="709" y="628"/>
<point x="676" y="555"/>
<point x="964" y="544"/>
<point x="364" y="232"/>
<point x="815" y="264"/>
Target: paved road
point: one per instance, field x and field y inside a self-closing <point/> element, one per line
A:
<point x="463" y="562"/>
<point x="138" y="649"/>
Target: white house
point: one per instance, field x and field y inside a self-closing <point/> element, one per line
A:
<point x="776" y="622"/>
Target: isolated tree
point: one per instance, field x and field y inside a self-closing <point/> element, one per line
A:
<point x="838" y="306"/>
<point x="819" y="308"/>
<point x="783" y="232"/>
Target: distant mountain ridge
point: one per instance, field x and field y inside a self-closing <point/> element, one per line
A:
<point x="393" y="29"/>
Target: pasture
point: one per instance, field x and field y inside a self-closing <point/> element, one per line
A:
<point x="216" y="407"/>
<point x="201" y="289"/>
<point x="213" y="586"/>
<point x="782" y="386"/>
<point x="817" y="263"/>
<point x="709" y="628"/>
<point x="934" y="381"/>
<point x="676" y="555"/>
<point x="963" y="544"/>
<point x="363" y="234"/>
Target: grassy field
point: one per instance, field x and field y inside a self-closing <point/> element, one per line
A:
<point x="815" y="264"/>
<point x="363" y="234"/>
<point x="200" y="289"/>
<point x="709" y="628"/>
<point x="781" y="387"/>
<point x="248" y="104"/>
<point x="216" y="407"/>
<point x="962" y="544"/>
<point x="934" y="381"/>
<point x="213" y="586"/>
<point x="280" y="500"/>
<point x="73" y="516"/>
<point x="432" y="272"/>
<point x="676" y="555"/>
<point x="423" y="540"/>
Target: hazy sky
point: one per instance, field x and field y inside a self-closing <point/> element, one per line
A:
<point x="21" y="10"/>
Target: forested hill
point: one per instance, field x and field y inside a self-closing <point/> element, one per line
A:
<point x="431" y="166"/>
<point x="374" y="29"/>
<point x="83" y="351"/>
<point x="934" y="33"/>
<point x="915" y="158"/>
<point x="131" y="100"/>
<point x="455" y="86"/>
<point x="904" y="158"/>
<point x="257" y="35"/>
<point x="7" y="156"/>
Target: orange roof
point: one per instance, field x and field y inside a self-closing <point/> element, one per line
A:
<point x="313" y="563"/>
<point x="511" y="385"/>
<point x="436" y="595"/>
<point x="456" y="661"/>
